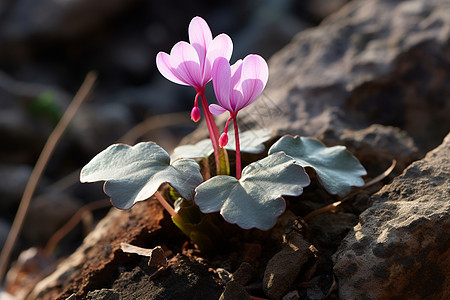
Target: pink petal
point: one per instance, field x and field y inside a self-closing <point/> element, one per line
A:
<point x="185" y="64"/>
<point x="200" y="37"/>
<point x="236" y="73"/>
<point x="165" y="68"/>
<point x="216" y="109"/>
<point x="221" y="46"/>
<point x="255" y="74"/>
<point x="221" y="75"/>
<point x="236" y="100"/>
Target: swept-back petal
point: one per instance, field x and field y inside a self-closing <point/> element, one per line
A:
<point x="163" y="63"/>
<point x="200" y="37"/>
<point x="255" y="74"/>
<point x="221" y="76"/>
<point x="185" y="61"/>
<point x="216" y="109"/>
<point x="221" y="46"/>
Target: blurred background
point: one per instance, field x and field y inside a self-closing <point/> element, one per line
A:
<point x="48" y="46"/>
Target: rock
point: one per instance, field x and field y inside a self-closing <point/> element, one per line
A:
<point x="103" y="294"/>
<point x="376" y="145"/>
<point x="244" y="273"/>
<point x="99" y="258"/>
<point x="400" y="249"/>
<point x="233" y="290"/>
<point x="284" y="267"/>
<point x="292" y="295"/>
<point x="186" y="278"/>
<point x="330" y="229"/>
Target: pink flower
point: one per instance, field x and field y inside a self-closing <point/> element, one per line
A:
<point x="191" y="63"/>
<point x="236" y="87"/>
<point x="239" y="85"/>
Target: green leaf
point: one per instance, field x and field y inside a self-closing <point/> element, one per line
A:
<point x="135" y="173"/>
<point x="337" y="169"/>
<point x="255" y="199"/>
<point x="250" y="141"/>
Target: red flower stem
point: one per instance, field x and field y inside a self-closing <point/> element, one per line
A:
<point x="212" y="128"/>
<point x="164" y="203"/>
<point x="238" y="148"/>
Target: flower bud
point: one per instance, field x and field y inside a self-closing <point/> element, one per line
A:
<point x="195" y="114"/>
<point x="223" y="140"/>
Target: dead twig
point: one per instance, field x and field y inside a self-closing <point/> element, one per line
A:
<point x="39" y="168"/>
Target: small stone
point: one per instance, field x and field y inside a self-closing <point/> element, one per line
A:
<point x="292" y="295"/>
<point x="234" y="291"/>
<point x="244" y="273"/>
<point x="224" y="275"/>
<point x="284" y="267"/>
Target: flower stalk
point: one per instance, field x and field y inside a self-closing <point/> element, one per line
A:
<point x="238" y="147"/>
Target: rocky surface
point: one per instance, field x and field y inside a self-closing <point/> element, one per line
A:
<point x="90" y="266"/>
<point x="400" y="249"/>
<point x="373" y="76"/>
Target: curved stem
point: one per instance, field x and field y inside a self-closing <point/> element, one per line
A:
<point x="164" y="203"/>
<point x="212" y="128"/>
<point x="238" y="148"/>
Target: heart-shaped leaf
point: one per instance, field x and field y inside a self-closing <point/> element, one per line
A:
<point x="135" y="173"/>
<point x="255" y="199"/>
<point x="251" y="141"/>
<point x="338" y="170"/>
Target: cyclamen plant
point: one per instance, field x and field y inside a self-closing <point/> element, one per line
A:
<point x="253" y="198"/>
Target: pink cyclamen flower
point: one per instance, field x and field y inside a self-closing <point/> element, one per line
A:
<point x="191" y="63"/>
<point x="237" y="86"/>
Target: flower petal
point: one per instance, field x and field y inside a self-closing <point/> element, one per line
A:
<point x="216" y="109"/>
<point x="236" y="73"/>
<point x="185" y="64"/>
<point x="163" y="63"/>
<point x="200" y="37"/>
<point x="221" y="76"/>
<point x="255" y="74"/>
<point x="221" y="46"/>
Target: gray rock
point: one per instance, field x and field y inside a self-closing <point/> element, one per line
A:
<point x="330" y="229"/>
<point x="103" y="294"/>
<point x="400" y="248"/>
<point x="283" y="268"/>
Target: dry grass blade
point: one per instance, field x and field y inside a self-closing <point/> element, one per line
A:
<point x="39" y="168"/>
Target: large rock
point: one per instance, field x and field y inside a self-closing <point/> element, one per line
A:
<point x="400" y="248"/>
